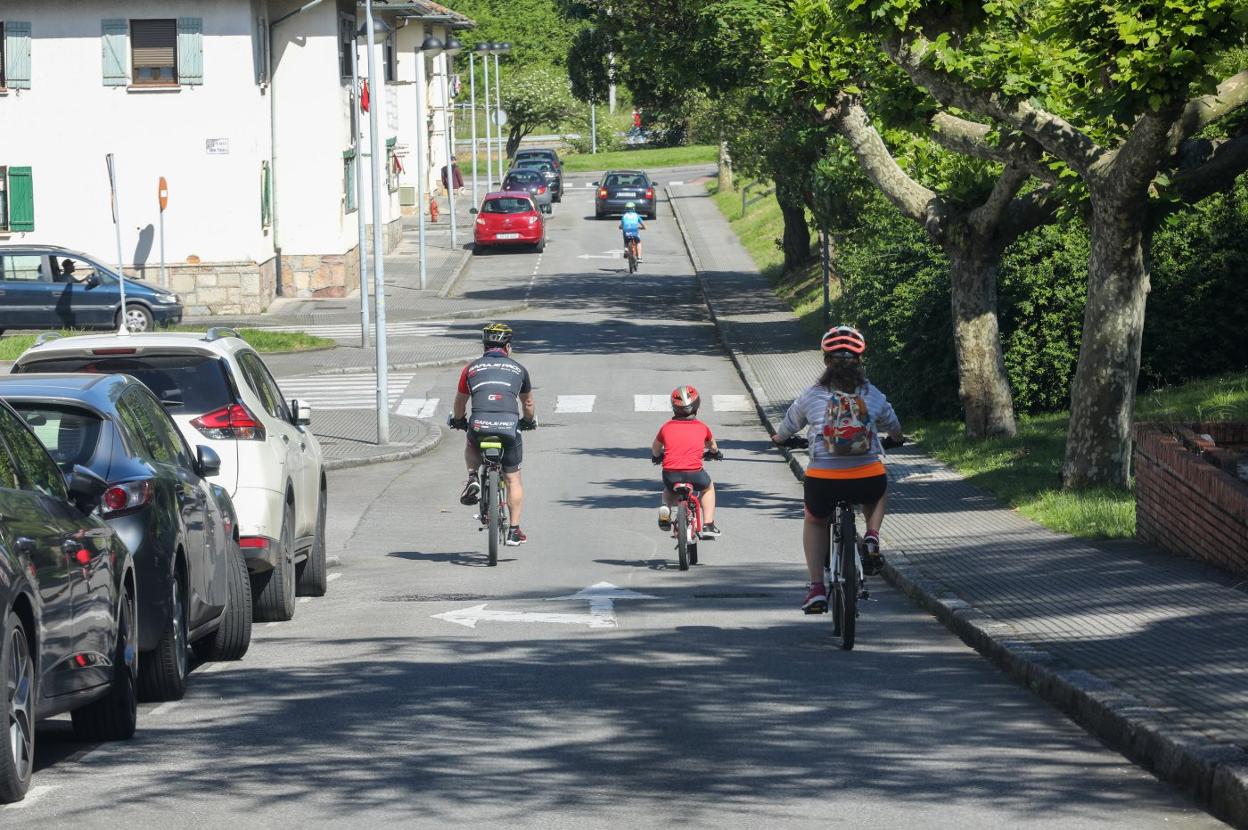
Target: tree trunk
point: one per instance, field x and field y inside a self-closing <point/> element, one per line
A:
<point x="1102" y="395"/>
<point x="725" y="168"/>
<point x="796" y="240"/>
<point x="983" y="386"/>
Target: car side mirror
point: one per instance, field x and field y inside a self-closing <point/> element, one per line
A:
<point x="300" y="412"/>
<point x="92" y="281"/>
<point x="595" y="184"/>
<point x="86" y="488"/>
<point x="473" y="211"/>
<point x="207" y="461"/>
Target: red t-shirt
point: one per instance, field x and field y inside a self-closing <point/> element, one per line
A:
<point x="683" y="440"/>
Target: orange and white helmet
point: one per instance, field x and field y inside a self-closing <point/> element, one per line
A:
<point x="843" y="340"/>
<point x="685" y="401"/>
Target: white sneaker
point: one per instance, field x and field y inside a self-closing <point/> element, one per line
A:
<point x="665" y="518"/>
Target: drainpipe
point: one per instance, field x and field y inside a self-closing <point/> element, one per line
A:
<point x="273" y="200"/>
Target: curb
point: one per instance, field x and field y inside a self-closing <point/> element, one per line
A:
<point x="1214" y="774"/>
<point x="425" y="446"/>
<point x="398" y="367"/>
<point x="449" y="285"/>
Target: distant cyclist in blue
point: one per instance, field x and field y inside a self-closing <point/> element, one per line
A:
<point x="632" y="226"/>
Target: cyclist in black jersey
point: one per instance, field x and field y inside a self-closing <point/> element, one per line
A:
<point x="502" y="406"/>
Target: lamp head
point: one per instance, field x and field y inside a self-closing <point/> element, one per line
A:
<point x="379" y="28"/>
<point x="453" y="46"/>
<point x="432" y="46"/>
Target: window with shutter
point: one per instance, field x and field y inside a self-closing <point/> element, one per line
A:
<point x="19" y="199"/>
<point x="348" y="180"/>
<point x="190" y="60"/>
<point x="114" y="35"/>
<point x="4" y="198"/>
<point x="154" y="52"/>
<point x="346" y="45"/>
<point x="3" y="53"/>
<point x="15" y="54"/>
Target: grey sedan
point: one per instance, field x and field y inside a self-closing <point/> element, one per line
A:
<point x="532" y="182"/>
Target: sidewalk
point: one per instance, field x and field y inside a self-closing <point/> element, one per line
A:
<point x="1146" y="650"/>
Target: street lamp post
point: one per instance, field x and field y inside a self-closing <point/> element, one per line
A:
<point x="432" y="47"/>
<point x="503" y="48"/>
<point x="450" y="50"/>
<point x="472" y="82"/>
<point x="483" y="49"/>
<point x="358" y="164"/>
<point x="379" y="290"/>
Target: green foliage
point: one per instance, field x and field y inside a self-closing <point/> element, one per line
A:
<point x="538" y="31"/>
<point x="533" y="96"/>
<point x="644" y="158"/>
<point x="589" y="70"/>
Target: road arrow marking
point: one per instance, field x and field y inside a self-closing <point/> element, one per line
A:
<point x="617" y="253"/>
<point x="600" y="596"/>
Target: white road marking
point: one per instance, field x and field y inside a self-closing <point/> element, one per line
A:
<point x="731" y="403"/>
<point x="164" y="707"/>
<point x="469" y="617"/>
<point x="332" y="577"/>
<point x="651" y="403"/>
<point x="302" y="600"/>
<point x="674" y="184"/>
<point x="417" y="407"/>
<point x="575" y="403"/>
<point x="33" y="796"/>
<point x="344" y="391"/>
<point x="616" y="253"/>
<point x="351" y="331"/>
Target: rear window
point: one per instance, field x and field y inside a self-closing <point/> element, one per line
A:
<point x="625" y="180"/>
<point x="525" y="176"/>
<point x="185" y="383"/>
<point x="70" y="434"/>
<point x="507" y="204"/>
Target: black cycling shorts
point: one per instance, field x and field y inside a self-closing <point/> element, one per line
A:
<point x="513" y="447"/>
<point x="823" y="494"/>
<point x="698" y="478"/>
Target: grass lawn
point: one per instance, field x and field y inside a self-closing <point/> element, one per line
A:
<point x="641" y="159"/>
<point x="263" y="341"/>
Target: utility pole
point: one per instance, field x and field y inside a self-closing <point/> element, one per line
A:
<point x="379" y="268"/>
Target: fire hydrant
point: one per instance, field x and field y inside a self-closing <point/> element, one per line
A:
<point x="433" y="209"/>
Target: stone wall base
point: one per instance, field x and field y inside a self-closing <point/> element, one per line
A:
<point x="217" y="287"/>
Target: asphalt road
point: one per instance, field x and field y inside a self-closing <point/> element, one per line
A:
<point x="710" y="702"/>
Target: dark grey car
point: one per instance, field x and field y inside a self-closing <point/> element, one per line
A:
<point x="619" y="187"/>
<point x="524" y="180"/>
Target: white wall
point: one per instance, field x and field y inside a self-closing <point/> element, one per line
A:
<point x="68" y="120"/>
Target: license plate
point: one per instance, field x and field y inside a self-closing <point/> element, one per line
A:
<point x="507" y="236"/>
<point x="626" y="193"/>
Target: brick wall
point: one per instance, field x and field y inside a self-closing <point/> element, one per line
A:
<point x="217" y="287"/>
<point x="1186" y="504"/>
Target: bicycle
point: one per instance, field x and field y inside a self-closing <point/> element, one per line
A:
<point x="630" y="253"/>
<point x="687" y="521"/>
<point x="492" y="512"/>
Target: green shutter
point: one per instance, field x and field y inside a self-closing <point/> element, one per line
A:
<point x="190" y="50"/>
<point x="17" y="54"/>
<point x="21" y="199"/>
<point x="115" y="37"/>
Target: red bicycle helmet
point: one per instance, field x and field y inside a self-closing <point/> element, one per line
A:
<point x="844" y="340"/>
<point x="685" y="401"/>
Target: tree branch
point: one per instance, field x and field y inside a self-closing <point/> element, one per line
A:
<point x="1218" y="173"/>
<point x="848" y="117"/>
<point x="1026" y="213"/>
<point x="1050" y="131"/>
<point x="985" y="218"/>
<point x="969" y="138"/>
<point x="1201" y="112"/>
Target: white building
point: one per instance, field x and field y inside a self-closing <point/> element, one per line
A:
<point x="243" y="106"/>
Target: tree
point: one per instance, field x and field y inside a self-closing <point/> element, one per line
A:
<point x="1118" y="94"/>
<point x="539" y="31"/>
<point x="589" y="70"/>
<point x="535" y="96"/>
<point x="973" y="204"/>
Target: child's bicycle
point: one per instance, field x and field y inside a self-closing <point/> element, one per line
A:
<point x="687" y="517"/>
<point x="630" y="253"/>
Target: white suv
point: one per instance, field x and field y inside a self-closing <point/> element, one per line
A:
<point x="221" y="394"/>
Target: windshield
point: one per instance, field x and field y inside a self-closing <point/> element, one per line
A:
<point x="507" y="204"/>
<point x="626" y="180"/>
<point x="70" y="434"/>
<point x="186" y="383"/>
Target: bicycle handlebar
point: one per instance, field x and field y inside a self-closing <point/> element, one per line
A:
<point x="457" y="423"/>
<point x="798" y="442"/>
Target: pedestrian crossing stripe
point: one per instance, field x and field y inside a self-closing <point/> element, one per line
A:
<point x="731" y="403"/>
<point x="652" y="403"/>
<point x="351" y="331"/>
<point x="417" y="407"/>
<point x="575" y="403"/>
<point x="344" y="391"/>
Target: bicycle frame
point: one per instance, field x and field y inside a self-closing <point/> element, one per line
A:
<point x="493" y="510"/>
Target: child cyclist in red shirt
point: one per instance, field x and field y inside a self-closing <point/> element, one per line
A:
<point x="679" y="446"/>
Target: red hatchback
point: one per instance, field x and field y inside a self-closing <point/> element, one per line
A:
<point x="509" y="218"/>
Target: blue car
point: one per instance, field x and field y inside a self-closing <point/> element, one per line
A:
<point x="48" y="287"/>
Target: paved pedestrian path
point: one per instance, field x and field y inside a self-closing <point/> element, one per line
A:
<point x="1145" y="649"/>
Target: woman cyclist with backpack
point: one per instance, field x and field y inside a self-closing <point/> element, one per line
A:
<point x="845" y="415"/>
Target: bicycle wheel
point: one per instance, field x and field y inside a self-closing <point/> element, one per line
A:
<point x="494" y="511"/>
<point x="504" y="521"/>
<point x="682" y="535"/>
<point x="849" y="579"/>
<point x="695" y="531"/>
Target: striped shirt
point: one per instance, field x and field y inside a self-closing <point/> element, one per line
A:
<point x="808" y="411"/>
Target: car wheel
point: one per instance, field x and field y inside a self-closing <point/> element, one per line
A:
<point x="138" y="318"/>
<point x="652" y="216"/>
<point x="232" y="639"/>
<point x="313" y="580"/>
<point x="599" y="214"/>
<point x="540" y="246"/>
<point x="17" y="732"/>
<point x="162" y="671"/>
<point x="274" y="590"/>
<point x="113" y="717"/>
<point x="477" y="249"/>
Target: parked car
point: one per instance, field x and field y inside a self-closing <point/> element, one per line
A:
<point x="45" y="286"/>
<point x="181" y="529"/>
<point x="554" y="179"/>
<point x="67" y="606"/>
<point x="508" y="219"/>
<point x="221" y="395"/>
<point x="532" y="182"/>
<point x="544" y="153"/>
<point x="619" y="187"/>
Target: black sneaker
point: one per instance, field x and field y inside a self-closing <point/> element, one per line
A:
<point x="472" y="491"/>
<point x="710" y="531"/>
<point x="515" y="537"/>
<point x="872" y="561"/>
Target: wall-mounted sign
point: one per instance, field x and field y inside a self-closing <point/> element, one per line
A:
<point x="217" y="146"/>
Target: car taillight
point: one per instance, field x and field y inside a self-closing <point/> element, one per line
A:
<point x="534" y="219"/>
<point x="649" y="192"/>
<point x="114" y="350"/>
<point x="256" y="542"/>
<point x="541" y="189"/>
<point x="480" y="221"/>
<point x="232" y="421"/>
<point x="602" y="193"/>
<point x="126" y="496"/>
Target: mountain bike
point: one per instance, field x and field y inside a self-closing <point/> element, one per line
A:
<point x="630" y="253"/>
<point x="687" y="517"/>
<point x="492" y="508"/>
